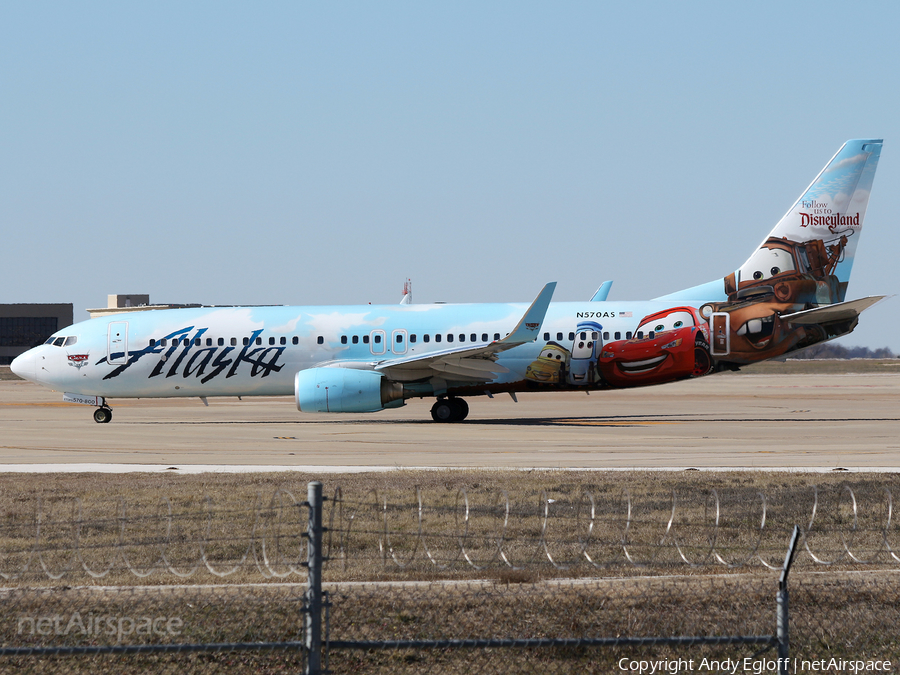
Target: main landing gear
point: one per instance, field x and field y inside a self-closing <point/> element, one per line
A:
<point x="450" y="409"/>
<point x="103" y="414"/>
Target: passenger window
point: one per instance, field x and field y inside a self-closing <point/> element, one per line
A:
<point x="559" y="336"/>
<point x="640" y="335"/>
<point x="473" y="338"/>
<point x="356" y="339"/>
<point x="295" y="340"/>
<point x="343" y="339"/>
<point x="196" y="342"/>
<point x="484" y="337"/>
<point x="271" y="340"/>
<point x="377" y="339"/>
<point x="209" y="342"/>
<point x="628" y="335"/>
<point x="220" y="342"/>
<point x="259" y="340"/>
<point x="426" y="338"/>
<point x="618" y="335"/>
<point x="234" y="342"/>
<point x="547" y="337"/>
<point x="365" y="339"/>
<point x="175" y="342"/>
<point x="320" y="340"/>
<point x="437" y="337"/>
<point x="246" y="341"/>
<point x="462" y="337"/>
<point x="282" y="340"/>
<point x="152" y="342"/>
<point x="412" y="339"/>
<point x="606" y="335"/>
<point x="449" y="337"/>
<point x="652" y="334"/>
<point x="162" y="342"/>
<point x="572" y="336"/>
<point x="399" y="338"/>
<point x="496" y="337"/>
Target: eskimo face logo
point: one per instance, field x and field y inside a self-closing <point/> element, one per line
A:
<point x="78" y="360"/>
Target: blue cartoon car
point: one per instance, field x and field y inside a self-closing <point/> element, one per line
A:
<point x="585" y="349"/>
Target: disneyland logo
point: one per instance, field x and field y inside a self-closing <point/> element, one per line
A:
<point x="829" y="221"/>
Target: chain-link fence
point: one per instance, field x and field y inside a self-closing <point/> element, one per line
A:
<point x="579" y="579"/>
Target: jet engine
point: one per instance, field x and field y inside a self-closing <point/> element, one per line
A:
<point x="345" y="390"/>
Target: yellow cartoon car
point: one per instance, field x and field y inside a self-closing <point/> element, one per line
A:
<point x="550" y="367"/>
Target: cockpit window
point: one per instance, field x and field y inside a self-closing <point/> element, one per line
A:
<point x="58" y="342"/>
<point x="49" y="340"/>
<point x="71" y="340"/>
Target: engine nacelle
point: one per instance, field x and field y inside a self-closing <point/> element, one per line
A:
<point x="345" y="390"/>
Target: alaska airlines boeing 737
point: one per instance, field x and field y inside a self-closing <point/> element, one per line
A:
<point x="788" y="295"/>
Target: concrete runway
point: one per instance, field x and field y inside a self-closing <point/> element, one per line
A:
<point x="803" y="422"/>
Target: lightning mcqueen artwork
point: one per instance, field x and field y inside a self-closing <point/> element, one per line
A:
<point x="669" y="345"/>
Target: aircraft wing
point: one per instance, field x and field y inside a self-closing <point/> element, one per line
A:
<point x="836" y="312"/>
<point x="476" y="362"/>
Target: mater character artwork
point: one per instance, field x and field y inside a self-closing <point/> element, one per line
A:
<point x="782" y="277"/>
<point x="669" y="345"/>
<point x="804" y="264"/>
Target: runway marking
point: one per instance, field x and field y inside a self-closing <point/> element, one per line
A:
<point x="608" y="423"/>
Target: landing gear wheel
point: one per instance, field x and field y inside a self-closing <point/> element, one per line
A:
<point x="102" y="415"/>
<point x="449" y="410"/>
<point x="462" y="408"/>
<point x="702" y="359"/>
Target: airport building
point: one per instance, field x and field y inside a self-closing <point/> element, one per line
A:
<point x="23" y="326"/>
<point x="124" y="304"/>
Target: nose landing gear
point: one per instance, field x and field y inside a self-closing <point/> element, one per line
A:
<point x="103" y="414"/>
<point x="450" y="409"/>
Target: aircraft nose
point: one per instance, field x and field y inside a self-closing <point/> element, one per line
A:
<point x="25" y="365"/>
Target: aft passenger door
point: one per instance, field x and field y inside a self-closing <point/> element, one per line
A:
<point x="720" y="340"/>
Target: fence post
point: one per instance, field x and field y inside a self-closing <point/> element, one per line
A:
<point x="781" y="601"/>
<point x="314" y="581"/>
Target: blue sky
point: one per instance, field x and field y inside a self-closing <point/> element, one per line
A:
<point x="297" y="153"/>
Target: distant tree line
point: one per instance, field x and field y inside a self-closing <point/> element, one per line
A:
<point x="828" y="350"/>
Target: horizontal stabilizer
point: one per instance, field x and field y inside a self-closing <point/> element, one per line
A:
<point x="837" y="312"/>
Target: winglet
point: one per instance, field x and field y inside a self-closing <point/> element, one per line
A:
<point x="601" y="294"/>
<point x="529" y="326"/>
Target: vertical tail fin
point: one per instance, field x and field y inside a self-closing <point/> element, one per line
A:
<point x="818" y="235"/>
